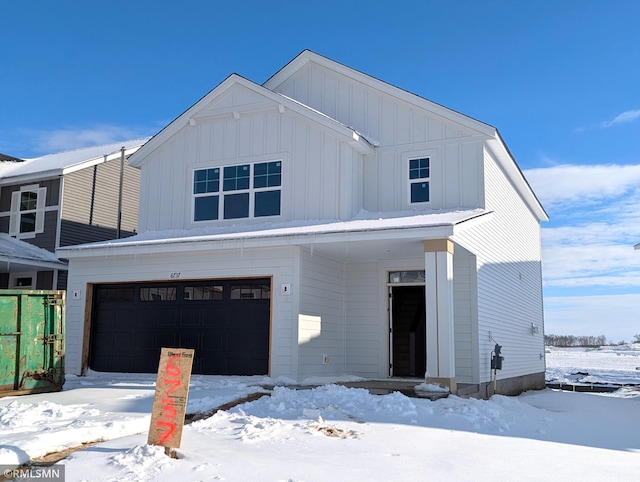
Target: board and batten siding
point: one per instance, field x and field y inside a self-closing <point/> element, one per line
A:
<point x="321" y="322"/>
<point x="320" y="173"/>
<point x="278" y="263"/>
<point x="366" y="336"/>
<point x="403" y="130"/>
<point x="508" y="257"/>
<point x="90" y="203"/>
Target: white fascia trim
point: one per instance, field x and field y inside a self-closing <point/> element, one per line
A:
<point x="100" y="160"/>
<point x="502" y="155"/>
<point x="308" y="56"/>
<point x="189" y="118"/>
<point x="256" y="240"/>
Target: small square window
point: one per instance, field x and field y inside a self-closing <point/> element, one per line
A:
<point x="419" y="168"/>
<point x="205" y="208"/>
<point x="236" y="206"/>
<point x="267" y="174"/>
<point x="28" y="200"/>
<point x="420" y="192"/>
<point x="206" y="180"/>
<point x="267" y="203"/>
<point x="236" y="178"/>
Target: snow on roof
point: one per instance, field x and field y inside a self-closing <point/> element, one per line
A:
<point x="364" y="221"/>
<point x="21" y="250"/>
<point x="63" y="160"/>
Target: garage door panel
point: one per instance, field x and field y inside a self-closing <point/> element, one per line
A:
<point x="230" y="335"/>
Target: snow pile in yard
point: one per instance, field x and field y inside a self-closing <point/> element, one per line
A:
<point x="328" y="433"/>
<point x="605" y="365"/>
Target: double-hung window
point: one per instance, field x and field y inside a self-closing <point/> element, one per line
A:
<point x="27" y="211"/>
<point x="419" y="180"/>
<point x="206" y="186"/>
<point x="239" y="191"/>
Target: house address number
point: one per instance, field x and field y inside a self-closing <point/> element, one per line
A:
<point x="174" y="275"/>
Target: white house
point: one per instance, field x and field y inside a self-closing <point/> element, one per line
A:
<point x="323" y="223"/>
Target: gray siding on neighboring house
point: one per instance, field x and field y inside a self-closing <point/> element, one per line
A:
<point x="63" y="275"/>
<point x="90" y="203"/>
<point x="47" y="239"/>
<point x="44" y="280"/>
<point x="53" y="193"/>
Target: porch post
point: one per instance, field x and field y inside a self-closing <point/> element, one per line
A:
<point x="438" y="258"/>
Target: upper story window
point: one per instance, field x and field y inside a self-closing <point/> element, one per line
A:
<point x="243" y="191"/>
<point x="27" y="211"/>
<point x="419" y="180"/>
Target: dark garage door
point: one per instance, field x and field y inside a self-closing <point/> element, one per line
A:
<point x="225" y="321"/>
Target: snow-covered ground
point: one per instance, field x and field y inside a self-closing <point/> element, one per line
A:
<point x="339" y="434"/>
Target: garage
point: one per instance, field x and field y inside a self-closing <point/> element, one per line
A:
<point x="226" y="322"/>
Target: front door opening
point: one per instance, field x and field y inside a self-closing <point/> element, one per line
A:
<point x="408" y="321"/>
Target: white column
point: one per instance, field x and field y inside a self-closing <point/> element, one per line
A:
<point x="438" y="258"/>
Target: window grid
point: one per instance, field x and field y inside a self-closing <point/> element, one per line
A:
<point x="419" y="180"/>
<point x="248" y="190"/>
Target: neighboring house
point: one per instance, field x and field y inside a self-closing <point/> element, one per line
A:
<point x="321" y="224"/>
<point x="59" y="200"/>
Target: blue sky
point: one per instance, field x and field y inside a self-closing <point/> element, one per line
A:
<point x="559" y="79"/>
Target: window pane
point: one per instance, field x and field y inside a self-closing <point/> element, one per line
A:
<point x="28" y="223"/>
<point x="251" y="292"/>
<point x="164" y="293"/>
<point x="236" y="206"/>
<point x="115" y="294"/>
<point x="197" y="293"/>
<point x="206" y="208"/>
<point x="267" y="174"/>
<point x="206" y="180"/>
<point x="416" y="276"/>
<point x="236" y="177"/>
<point x="419" y="192"/>
<point x="419" y="168"/>
<point x="28" y="200"/>
<point x="267" y="203"/>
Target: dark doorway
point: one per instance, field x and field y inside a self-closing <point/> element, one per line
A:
<point x="408" y="321"/>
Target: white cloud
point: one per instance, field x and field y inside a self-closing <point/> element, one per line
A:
<point x="627" y="116"/>
<point x="582" y="183"/>
<point x="595" y="222"/>
<point x="75" y="138"/>
<point x="614" y="316"/>
<point x="27" y="143"/>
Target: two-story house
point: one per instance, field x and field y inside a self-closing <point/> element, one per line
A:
<point x="63" y="199"/>
<point x="323" y="223"/>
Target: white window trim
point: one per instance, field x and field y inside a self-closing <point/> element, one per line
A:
<point x="13" y="277"/>
<point x="15" y="216"/>
<point x="221" y="193"/>
<point x="407" y="164"/>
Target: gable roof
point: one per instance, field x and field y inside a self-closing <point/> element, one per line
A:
<point x="190" y="117"/>
<point x="61" y="163"/>
<point x="494" y="141"/>
<point x="308" y="56"/>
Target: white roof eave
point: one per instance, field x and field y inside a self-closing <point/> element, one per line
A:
<point x="338" y="232"/>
